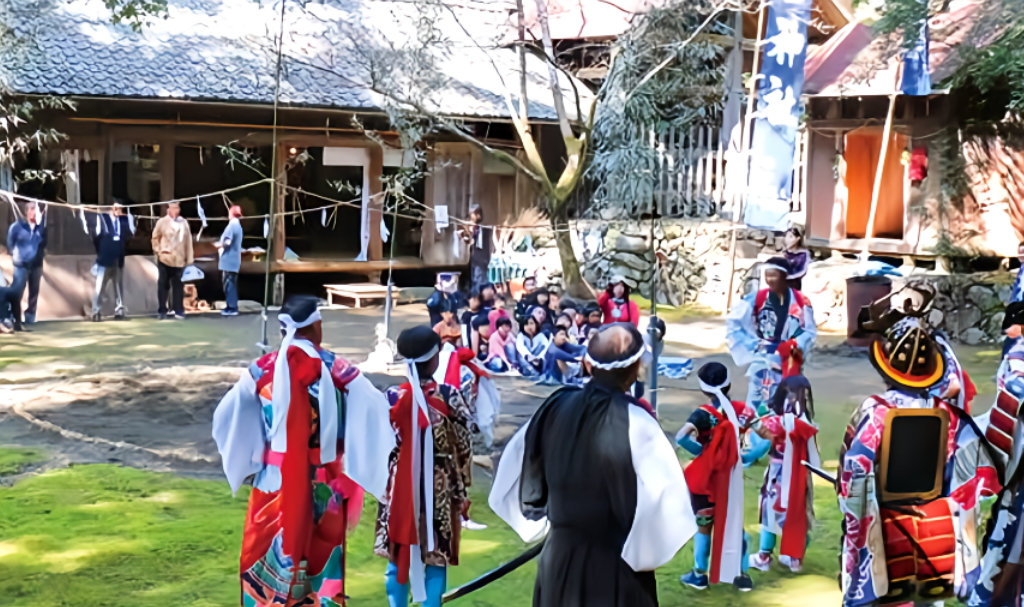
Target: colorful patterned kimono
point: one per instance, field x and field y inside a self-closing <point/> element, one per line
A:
<point x="956" y="386"/>
<point x="458" y="368"/>
<point x="302" y="502"/>
<point x="397" y="524"/>
<point x="918" y="552"/>
<point x="787" y="495"/>
<point x="1002" y="579"/>
<point x="754" y="334"/>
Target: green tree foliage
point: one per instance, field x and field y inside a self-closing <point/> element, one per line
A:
<point x="666" y="73"/>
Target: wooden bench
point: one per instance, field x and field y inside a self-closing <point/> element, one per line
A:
<point x="359" y="291"/>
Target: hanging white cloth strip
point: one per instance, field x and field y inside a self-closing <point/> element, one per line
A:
<point x="281" y="393"/>
<point x="732" y="546"/>
<point x="420" y="476"/>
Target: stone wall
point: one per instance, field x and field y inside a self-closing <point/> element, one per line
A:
<point x="696" y="262"/>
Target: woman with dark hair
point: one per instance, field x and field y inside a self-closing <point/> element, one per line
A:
<point x="530" y="347"/>
<point x="797" y="255"/>
<point x="615" y="303"/>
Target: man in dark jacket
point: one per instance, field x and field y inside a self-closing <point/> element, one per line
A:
<point x="26" y="241"/>
<point x="113" y="231"/>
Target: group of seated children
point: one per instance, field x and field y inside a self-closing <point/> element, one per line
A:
<point x="545" y="340"/>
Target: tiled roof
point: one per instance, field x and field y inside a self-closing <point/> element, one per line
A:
<point x="224" y="50"/>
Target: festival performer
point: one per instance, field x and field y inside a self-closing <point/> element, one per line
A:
<point x="1002" y="577"/>
<point x="311" y="432"/>
<point x="714" y="434"/>
<point x="761" y="324"/>
<point x="593" y="471"/>
<point x="909" y="493"/>
<point x="419" y="521"/>
<point x="787" y="494"/>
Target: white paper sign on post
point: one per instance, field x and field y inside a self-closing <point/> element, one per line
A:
<point x="441" y="217"/>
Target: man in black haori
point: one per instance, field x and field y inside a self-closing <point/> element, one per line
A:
<point x="595" y="473"/>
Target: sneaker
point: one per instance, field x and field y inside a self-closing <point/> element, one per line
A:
<point x="229" y="313"/>
<point x="471" y="525"/>
<point x="795" y="565"/>
<point x="695" y="579"/>
<point x="161" y="317"/>
<point x="762" y="561"/>
<point x="96" y="317"/>
<point x="179" y="317"/>
<point x="119" y="316"/>
<point x="743" y="583"/>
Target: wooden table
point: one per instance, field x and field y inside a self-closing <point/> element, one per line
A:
<point x="359" y="291"/>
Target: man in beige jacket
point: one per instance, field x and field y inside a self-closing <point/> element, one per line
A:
<point x="172" y="245"/>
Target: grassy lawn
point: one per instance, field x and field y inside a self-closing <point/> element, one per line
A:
<point x="115" y="536"/>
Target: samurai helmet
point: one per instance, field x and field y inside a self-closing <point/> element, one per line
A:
<point x="912" y="301"/>
<point x="905" y="352"/>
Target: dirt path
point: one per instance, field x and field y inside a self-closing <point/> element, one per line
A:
<point x="142" y="392"/>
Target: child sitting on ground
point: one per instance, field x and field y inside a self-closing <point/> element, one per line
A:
<point x="473" y="307"/>
<point x="481" y="336"/>
<point x="448" y="329"/>
<point x="530" y="347"/>
<point x="501" y="349"/>
<point x="562" y="366"/>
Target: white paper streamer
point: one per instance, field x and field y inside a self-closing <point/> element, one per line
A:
<point x="323" y="217"/>
<point x="384" y="232"/>
<point x="441" y="216"/>
<point x="131" y="221"/>
<point x="99" y="228"/>
<point x="202" y="212"/>
<point x="266" y="228"/>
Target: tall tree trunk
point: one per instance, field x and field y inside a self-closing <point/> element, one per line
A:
<point x="572" y="279"/>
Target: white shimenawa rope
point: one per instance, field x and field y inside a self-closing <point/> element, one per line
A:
<point x="417" y="573"/>
<point x="282" y="393"/>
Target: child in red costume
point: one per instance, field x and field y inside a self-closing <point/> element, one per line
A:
<point x="714" y="434"/>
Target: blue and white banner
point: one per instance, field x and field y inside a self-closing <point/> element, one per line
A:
<point x="917" y="79"/>
<point x="781" y="82"/>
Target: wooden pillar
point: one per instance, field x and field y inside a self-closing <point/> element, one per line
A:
<point x="375" y="250"/>
<point x="278" y="223"/>
<point x="105" y="185"/>
<point x="166" y="160"/>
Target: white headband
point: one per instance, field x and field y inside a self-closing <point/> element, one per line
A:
<point x="709" y="388"/>
<point x="290" y="324"/>
<point x="433" y="351"/>
<point x="618" y="364"/>
<point x="771" y="266"/>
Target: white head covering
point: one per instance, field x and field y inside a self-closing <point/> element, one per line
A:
<point x="282" y="392"/>
<point x="417" y="574"/>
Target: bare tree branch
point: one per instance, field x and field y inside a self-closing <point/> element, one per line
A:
<point x="556" y="89"/>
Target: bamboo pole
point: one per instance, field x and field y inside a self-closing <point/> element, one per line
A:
<point x="274" y="190"/>
<point x="876" y="189"/>
<point x="748" y="122"/>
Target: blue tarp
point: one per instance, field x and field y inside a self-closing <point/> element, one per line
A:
<point x="778" y="115"/>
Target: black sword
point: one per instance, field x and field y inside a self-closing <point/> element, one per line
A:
<point x="820" y="472"/>
<point x="494" y="575"/>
